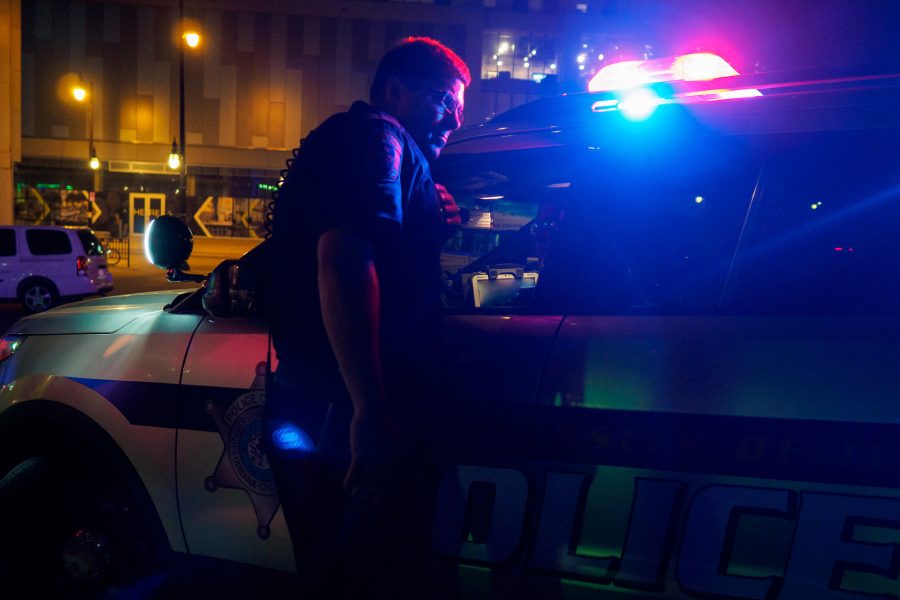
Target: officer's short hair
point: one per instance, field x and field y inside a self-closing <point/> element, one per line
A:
<point x="417" y="59"/>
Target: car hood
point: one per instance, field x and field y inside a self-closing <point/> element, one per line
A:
<point x="98" y="315"/>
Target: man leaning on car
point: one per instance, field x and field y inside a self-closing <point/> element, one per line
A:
<point x="358" y="228"/>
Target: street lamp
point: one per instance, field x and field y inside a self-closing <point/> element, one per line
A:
<point x="81" y="94"/>
<point x="174" y="157"/>
<point x="191" y="38"/>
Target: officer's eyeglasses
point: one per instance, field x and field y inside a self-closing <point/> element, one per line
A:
<point x="447" y="102"/>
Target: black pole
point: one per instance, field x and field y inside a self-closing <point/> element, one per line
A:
<point x="91" y="120"/>
<point x="92" y="153"/>
<point x="183" y="178"/>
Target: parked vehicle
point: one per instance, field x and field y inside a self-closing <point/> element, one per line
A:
<point x="41" y="265"/>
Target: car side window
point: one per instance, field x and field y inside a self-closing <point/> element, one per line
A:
<point x="822" y="240"/>
<point x="92" y="245"/>
<point x="511" y="204"/>
<point x="660" y="227"/>
<point x="7" y="242"/>
<point x="46" y="242"/>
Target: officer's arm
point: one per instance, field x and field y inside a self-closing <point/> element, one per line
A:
<point x="348" y="290"/>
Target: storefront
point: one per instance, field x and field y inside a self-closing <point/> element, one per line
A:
<point x="225" y="203"/>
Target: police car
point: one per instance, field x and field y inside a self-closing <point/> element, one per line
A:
<point x="672" y="317"/>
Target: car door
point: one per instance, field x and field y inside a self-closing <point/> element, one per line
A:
<point x="229" y="504"/>
<point x="48" y="252"/>
<point x="507" y="276"/>
<point x="736" y="430"/>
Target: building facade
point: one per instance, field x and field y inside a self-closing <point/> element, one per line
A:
<point x="260" y="79"/>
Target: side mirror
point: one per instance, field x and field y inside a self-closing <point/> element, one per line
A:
<point x="232" y="290"/>
<point x="168" y="243"/>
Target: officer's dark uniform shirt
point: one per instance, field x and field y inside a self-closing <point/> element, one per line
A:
<point x="360" y="169"/>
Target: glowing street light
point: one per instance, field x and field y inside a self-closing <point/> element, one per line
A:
<point x="174" y="157"/>
<point x="191" y="38"/>
<point x="79" y="93"/>
<point x="94" y="163"/>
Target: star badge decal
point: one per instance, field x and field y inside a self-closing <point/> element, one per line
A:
<point x="243" y="464"/>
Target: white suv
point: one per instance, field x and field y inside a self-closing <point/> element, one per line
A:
<point x="39" y="265"/>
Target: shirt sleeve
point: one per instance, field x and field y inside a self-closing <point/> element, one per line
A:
<point x="359" y="179"/>
<point x="371" y="195"/>
<point x="380" y="188"/>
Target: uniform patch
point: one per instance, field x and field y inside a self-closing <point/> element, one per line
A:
<point x="383" y="156"/>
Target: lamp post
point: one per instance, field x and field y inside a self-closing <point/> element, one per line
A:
<point x="81" y="94"/>
<point x="190" y="38"/>
<point x="183" y="178"/>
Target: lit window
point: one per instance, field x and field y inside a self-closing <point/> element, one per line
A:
<point x="516" y="55"/>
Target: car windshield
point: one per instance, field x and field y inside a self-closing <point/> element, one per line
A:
<point x="92" y="246"/>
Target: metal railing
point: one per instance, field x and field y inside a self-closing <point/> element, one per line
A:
<point x="117" y="249"/>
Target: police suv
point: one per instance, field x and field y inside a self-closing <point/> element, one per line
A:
<point x="673" y="324"/>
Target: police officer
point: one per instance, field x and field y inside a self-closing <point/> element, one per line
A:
<point x="358" y="229"/>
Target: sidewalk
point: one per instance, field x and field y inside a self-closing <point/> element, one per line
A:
<point x="223" y="248"/>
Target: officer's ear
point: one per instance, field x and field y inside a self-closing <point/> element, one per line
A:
<point x="394" y="92"/>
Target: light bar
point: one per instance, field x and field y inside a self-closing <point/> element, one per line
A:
<point x="700" y="66"/>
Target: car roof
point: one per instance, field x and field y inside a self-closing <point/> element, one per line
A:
<point x="810" y="100"/>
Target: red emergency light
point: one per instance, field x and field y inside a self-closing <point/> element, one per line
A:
<point x="700" y="66"/>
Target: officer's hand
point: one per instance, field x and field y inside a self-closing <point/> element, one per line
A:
<point x="449" y="207"/>
<point x="374" y="442"/>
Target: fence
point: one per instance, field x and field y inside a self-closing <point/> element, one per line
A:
<point x="117" y="248"/>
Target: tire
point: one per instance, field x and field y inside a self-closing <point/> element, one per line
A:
<point x="69" y="532"/>
<point x="113" y="256"/>
<point x="38" y="295"/>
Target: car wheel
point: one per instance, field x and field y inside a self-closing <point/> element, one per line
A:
<point x="66" y="534"/>
<point x="38" y="295"/>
